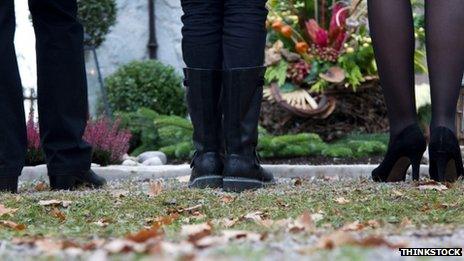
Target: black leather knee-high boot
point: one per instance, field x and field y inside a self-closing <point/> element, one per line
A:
<point x="203" y="97"/>
<point x="243" y="91"/>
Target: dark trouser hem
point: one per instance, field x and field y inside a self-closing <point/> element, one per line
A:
<point x="10" y="171"/>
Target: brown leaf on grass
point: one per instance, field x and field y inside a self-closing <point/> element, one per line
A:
<point x="439" y="187"/>
<point x="159" y="222"/>
<point x="431" y="185"/>
<point x="406" y="222"/>
<point x="56" y="213"/>
<point x="297" y="182"/>
<point x="226" y="222"/>
<point x="12" y="225"/>
<point x="342" y="201"/>
<point x="196" y="232"/>
<point x="155" y="188"/>
<point x="397" y="193"/>
<point x="103" y="222"/>
<point x="7" y="211"/>
<point x="373" y="224"/>
<point x="354" y="226"/>
<point x="304" y="222"/>
<point x="144" y="235"/>
<point x="227" y="199"/>
<point x="336" y="239"/>
<point x="258" y="217"/>
<point x="340" y="238"/>
<point x="41" y="186"/>
<point x="55" y="203"/>
<point x="376" y="241"/>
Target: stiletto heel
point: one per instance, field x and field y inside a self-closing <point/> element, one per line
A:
<point x="445" y="156"/>
<point x="416" y="161"/>
<point x="405" y="150"/>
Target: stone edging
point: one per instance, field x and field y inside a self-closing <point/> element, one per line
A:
<point x="173" y="171"/>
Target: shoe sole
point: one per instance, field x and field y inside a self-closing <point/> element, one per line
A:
<point x="204" y="182"/>
<point x="69" y="183"/>
<point x="398" y="172"/>
<point x="236" y="184"/>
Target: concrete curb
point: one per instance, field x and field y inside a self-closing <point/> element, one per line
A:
<point x="173" y="171"/>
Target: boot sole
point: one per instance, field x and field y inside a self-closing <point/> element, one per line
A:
<point x="207" y="182"/>
<point x="235" y="184"/>
<point x="69" y="183"/>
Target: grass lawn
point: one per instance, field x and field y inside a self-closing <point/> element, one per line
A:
<point x="357" y="206"/>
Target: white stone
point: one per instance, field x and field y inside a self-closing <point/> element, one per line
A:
<point x="151" y="154"/>
<point x="155" y="161"/>
<point x="95" y="165"/>
<point x="129" y="162"/>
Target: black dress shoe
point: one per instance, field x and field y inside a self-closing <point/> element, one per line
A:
<point x="445" y="156"/>
<point x="9" y="184"/>
<point x="405" y="150"/>
<point x="73" y="181"/>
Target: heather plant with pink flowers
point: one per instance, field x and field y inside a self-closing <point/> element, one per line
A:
<point x="34" y="154"/>
<point x="109" y="141"/>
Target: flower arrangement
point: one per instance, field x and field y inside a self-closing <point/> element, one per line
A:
<point x="316" y="46"/>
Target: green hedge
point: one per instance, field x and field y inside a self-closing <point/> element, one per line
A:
<point x="147" y="84"/>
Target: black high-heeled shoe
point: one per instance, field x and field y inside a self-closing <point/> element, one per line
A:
<point x="445" y="156"/>
<point x="405" y="150"/>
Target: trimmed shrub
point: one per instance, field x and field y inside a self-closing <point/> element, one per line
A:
<point x="97" y="16"/>
<point x="147" y="84"/>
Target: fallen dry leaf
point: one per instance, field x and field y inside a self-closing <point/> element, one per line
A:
<point x="406" y="222"/>
<point x="340" y="238"/>
<point x="227" y="199"/>
<point x="437" y="187"/>
<point x="55" y="203"/>
<point x="196" y="232"/>
<point x="155" y="188"/>
<point x="354" y="226"/>
<point x="304" y="222"/>
<point x="258" y="217"/>
<point x="41" y="186"/>
<point x="144" y="235"/>
<point x="12" y="225"/>
<point x="56" y="213"/>
<point x="342" y="201"/>
<point x="397" y="193"/>
<point x="103" y="222"/>
<point x="7" y="211"/>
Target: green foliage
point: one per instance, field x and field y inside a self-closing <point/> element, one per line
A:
<point x="277" y="73"/>
<point x="337" y="152"/>
<point x="97" y="16"/>
<point x="148" y="84"/>
<point x="142" y="126"/>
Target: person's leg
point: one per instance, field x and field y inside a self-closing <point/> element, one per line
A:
<point x="392" y="31"/>
<point x="202" y="51"/>
<point x="13" y="138"/>
<point x="244" y="42"/>
<point x="445" y="52"/>
<point x="202" y="33"/>
<point x="62" y="87"/>
<point x="244" y="33"/>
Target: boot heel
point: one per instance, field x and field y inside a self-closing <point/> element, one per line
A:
<point x="63" y="182"/>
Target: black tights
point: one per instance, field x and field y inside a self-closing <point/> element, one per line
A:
<point x="223" y="34"/>
<point x="392" y="31"/>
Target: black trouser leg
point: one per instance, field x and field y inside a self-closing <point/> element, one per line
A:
<point x="62" y="88"/>
<point x="202" y="33"/>
<point x="244" y="33"/>
<point x="12" y="121"/>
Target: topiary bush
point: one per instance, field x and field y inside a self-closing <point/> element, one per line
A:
<point x="97" y="17"/>
<point x="148" y="84"/>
